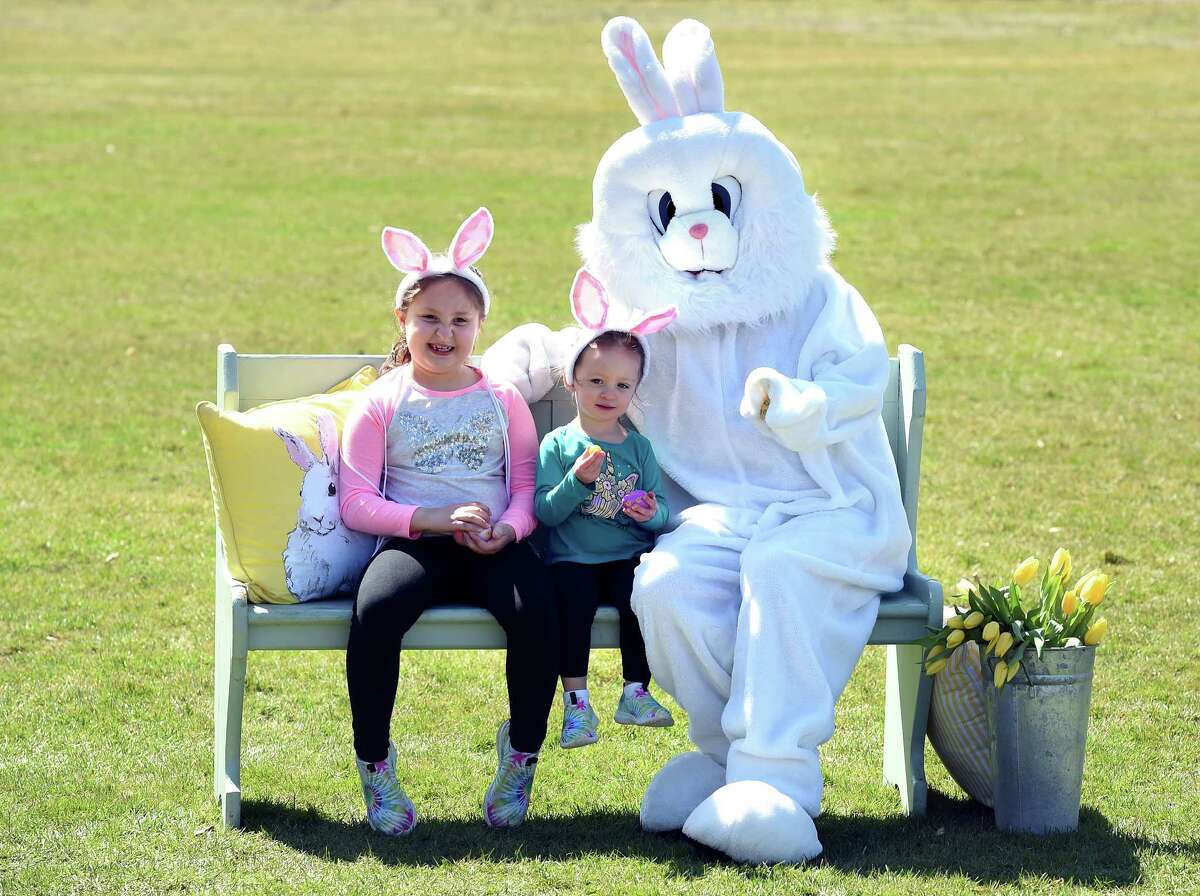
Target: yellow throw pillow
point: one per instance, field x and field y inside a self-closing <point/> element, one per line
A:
<point x="273" y="471"/>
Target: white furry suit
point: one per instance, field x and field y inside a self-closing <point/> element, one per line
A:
<point x="757" y="605"/>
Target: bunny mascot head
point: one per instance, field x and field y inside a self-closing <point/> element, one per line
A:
<point x="698" y="208"/>
<point x="762" y="401"/>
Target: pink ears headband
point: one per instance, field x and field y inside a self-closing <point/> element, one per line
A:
<point x="591" y="308"/>
<point x="408" y="254"/>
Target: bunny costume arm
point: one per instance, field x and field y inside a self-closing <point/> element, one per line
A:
<point x="528" y="357"/>
<point x="847" y="362"/>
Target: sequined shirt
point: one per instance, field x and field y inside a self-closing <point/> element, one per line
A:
<point x="406" y="447"/>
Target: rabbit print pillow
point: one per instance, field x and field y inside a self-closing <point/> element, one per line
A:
<point x="274" y="472"/>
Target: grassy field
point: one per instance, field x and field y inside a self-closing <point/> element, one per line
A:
<point x="1016" y="187"/>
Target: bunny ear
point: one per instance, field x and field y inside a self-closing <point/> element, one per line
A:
<point x="405" y="251"/>
<point x="691" y="66"/>
<point x="655" y="322"/>
<point x="327" y="426"/>
<point x="472" y="239"/>
<point x="588" y="301"/>
<point x="297" y="450"/>
<point x="638" y="70"/>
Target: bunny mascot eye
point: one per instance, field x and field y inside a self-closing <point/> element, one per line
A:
<point x="661" y="208"/>
<point x="727" y="194"/>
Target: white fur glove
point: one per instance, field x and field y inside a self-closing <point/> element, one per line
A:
<point x="524" y="358"/>
<point x="795" y="409"/>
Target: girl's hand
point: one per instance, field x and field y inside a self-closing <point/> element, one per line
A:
<point x="488" y="542"/>
<point x="588" y="466"/>
<point x="641" y="511"/>
<point x="470" y="516"/>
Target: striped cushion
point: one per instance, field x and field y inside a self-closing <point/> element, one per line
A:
<point x="958" y="722"/>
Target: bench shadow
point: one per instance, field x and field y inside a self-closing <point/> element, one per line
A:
<point x="437" y="841"/>
<point x="957" y="836"/>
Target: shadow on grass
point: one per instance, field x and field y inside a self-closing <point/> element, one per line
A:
<point x="960" y="836"/>
<point x="436" y="841"/>
<point x="955" y="837"/>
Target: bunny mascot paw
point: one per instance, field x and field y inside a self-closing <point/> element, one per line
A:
<point x="762" y="400"/>
<point x="681" y="785"/>
<point x="752" y="822"/>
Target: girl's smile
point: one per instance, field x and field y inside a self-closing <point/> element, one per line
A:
<point x="440" y="327"/>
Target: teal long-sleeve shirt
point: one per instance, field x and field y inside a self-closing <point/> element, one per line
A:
<point x="586" y="522"/>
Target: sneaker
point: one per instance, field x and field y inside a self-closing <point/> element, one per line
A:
<point x="638" y="707"/>
<point x="507" y="799"/>
<point x="389" y="810"/>
<point x="579" y="722"/>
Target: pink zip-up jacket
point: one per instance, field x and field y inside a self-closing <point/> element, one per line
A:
<point x="364" y="453"/>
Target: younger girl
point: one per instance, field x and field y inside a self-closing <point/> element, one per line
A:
<point x="597" y="487"/>
<point x="439" y="463"/>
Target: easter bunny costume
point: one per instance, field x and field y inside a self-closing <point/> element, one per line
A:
<point x="762" y="400"/>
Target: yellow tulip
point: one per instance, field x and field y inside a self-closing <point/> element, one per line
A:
<point x="956" y="638"/>
<point x="935" y="667"/>
<point x="1001" y="675"/>
<point x="1093" y="591"/>
<point x="1014" y="666"/>
<point x="1025" y="571"/>
<point x="1070" y="603"/>
<point x="991" y="631"/>
<point x="955" y="621"/>
<point x="934" y="651"/>
<point x="1003" y="643"/>
<point x="1096" y="633"/>
<point x="1083" y="580"/>
<point x="1060" y="563"/>
<point x="973" y="620"/>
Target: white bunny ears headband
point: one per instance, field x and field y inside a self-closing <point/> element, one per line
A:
<point x="592" y="311"/>
<point x="686" y="82"/>
<point x="409" y="255"/>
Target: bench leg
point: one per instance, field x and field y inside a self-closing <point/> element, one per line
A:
<point x="906" y="716"/>
<point x="229" y="682"/>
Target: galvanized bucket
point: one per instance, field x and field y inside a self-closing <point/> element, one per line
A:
<point x="1037" y="724"/>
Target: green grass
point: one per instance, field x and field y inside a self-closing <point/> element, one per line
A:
<point x="1016" y="189"/>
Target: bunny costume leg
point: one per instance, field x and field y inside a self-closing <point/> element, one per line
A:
<point x="756" y="639"/>
<point x="686" y="596"/>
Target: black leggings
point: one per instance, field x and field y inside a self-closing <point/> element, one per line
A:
<point x="409" y="576"/>
<point x="578" y="589"/>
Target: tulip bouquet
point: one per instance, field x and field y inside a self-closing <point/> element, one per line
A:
<point x="1007" y="622"/>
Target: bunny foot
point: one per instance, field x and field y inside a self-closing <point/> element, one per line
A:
<point x="680" y="786"/>
<point x="753" y="823"/>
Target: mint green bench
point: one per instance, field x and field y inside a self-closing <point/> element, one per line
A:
<point x="244" y="381"/>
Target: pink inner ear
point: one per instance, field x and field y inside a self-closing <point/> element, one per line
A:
<point x="625" y="45"/>
<point x="655" y="322"/>
<point x="472" y="239"/>
<point x="296" y="449"/>
<point x="405" y="251"/>
<point x="588" y="302"/>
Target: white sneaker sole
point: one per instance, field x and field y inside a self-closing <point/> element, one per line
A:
<point x="581" y="742"/>
<point x="625" y="718"/>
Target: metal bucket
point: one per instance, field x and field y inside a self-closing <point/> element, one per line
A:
<point x="1037" y="725"/>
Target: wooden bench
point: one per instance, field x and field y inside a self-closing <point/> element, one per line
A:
<point x="244" y="381"/>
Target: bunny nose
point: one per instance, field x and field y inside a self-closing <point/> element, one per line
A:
<point x="699" y="231"/>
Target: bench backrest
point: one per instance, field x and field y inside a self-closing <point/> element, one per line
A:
<point x="244" y="381"/>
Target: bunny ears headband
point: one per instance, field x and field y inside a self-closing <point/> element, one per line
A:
<point x="409" y="255"/>
<point x="686" y="82"/>
<point x="592" y="311"/>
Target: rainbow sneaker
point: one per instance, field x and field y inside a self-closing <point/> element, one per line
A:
<point x="579" y="722"/>
<point x="507" y="799"/>
<point x="389" y="810"/>
<point x="638" y="707"/>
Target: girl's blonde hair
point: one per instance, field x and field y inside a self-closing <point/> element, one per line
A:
<point x="400" y="355"/>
